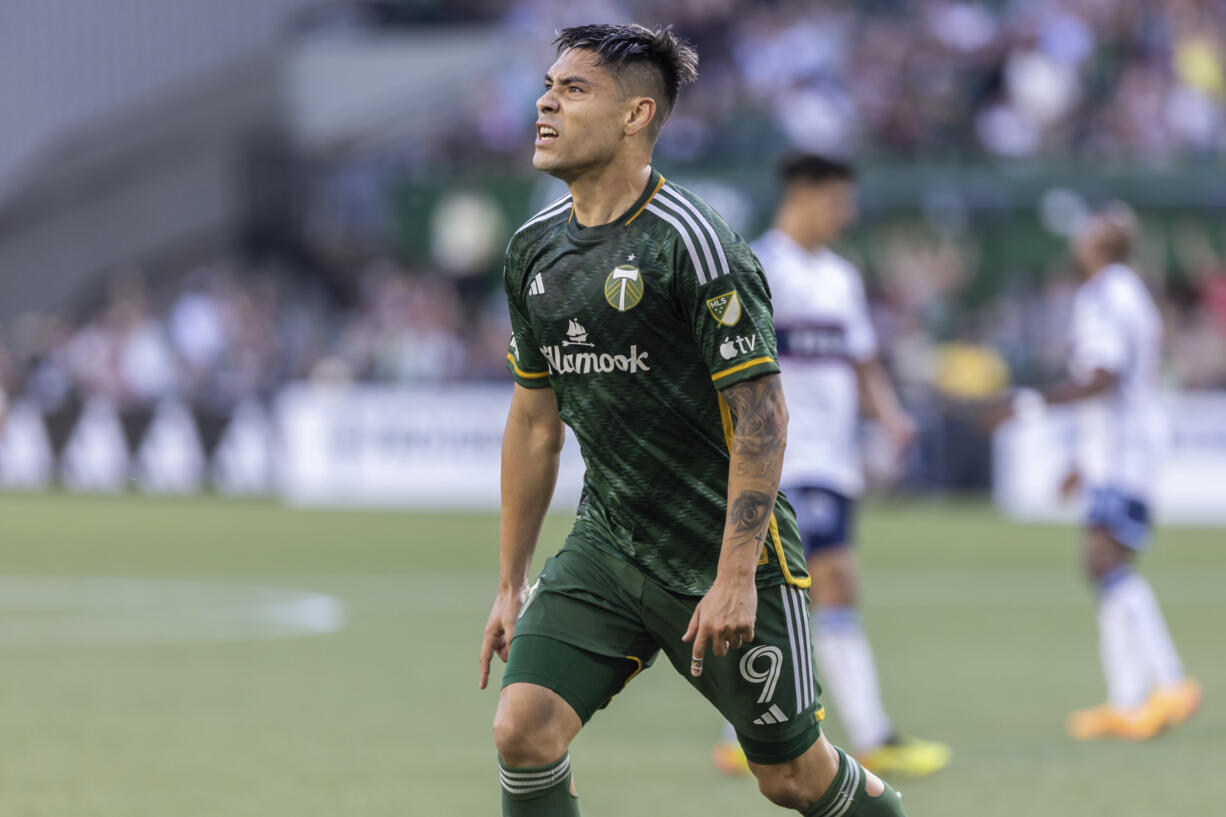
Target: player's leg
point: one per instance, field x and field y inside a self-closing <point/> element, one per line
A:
<point x="768" y="691"/>
<point x="577" y="643"/>
<point x="826" y="781"/>
<point x="533" y="729"/>
<point x="1146" y="686"/>
<point x="848" y="670"/>
<point x="844" y="654"/>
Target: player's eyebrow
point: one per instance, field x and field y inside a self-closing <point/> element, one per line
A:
<point x="571" y="80"/>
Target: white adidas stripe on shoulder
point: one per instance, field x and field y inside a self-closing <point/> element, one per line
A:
<point x="702" y="242"/>
<point x="695" y="259"/>
<point x="675" y="196"/>
<point x="550" y="211"/>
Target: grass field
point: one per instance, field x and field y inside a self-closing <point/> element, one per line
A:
<point x="175" y="695"/>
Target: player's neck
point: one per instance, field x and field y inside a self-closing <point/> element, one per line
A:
<point x="603" y="195"/>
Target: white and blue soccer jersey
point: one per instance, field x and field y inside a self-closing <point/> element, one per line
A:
<point x="823" y="329"/>
<point x="1117" y="328"/>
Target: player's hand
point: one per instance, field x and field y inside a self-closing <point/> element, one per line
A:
<point x="1070" y="485"/>
<point x="500" y="628"/>
<point x="902" y="432"/>
<point x="724" y="616"/>
<point x="995" y="414"/>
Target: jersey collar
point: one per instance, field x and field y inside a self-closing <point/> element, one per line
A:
<point x="581" y="233"/>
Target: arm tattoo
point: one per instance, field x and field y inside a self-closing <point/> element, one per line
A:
<point x="749" y="509"/>
<point x="758" y="406"/>
<point x="756" y="452"/>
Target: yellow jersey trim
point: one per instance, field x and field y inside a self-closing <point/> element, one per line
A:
<point x="637" y="212"/>
<point x="725" y="417"/>
<point x="804" y="583"/>
<point x="634" y="674"/>
<point x="740" y="367"/>
<point x="521" y="372"/>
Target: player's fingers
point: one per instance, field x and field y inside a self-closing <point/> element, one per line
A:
<point x="484" y="662"/>
<point x="719" y="643"/>
<point x="503" y="649"/>
<point x="691" y="630"/>
<point x="698" y="653"/>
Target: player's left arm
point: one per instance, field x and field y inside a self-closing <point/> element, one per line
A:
<point x="722" y="290"/>
<point x="1099" y="353"/>
<point x="727" y="613"/>
<point x="881" y="401"/>
<point x="1072" y="390"/>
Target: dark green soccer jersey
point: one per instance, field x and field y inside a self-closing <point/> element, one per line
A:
<point x="636" y="325"/>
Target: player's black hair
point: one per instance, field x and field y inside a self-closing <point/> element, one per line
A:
<point x="626" y="49"/>
<point x="814" y="169"/>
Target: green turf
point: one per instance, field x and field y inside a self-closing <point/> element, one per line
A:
<point x="984" y="636"/>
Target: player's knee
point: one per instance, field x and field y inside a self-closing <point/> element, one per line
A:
<point x="1101" y="555"/>
<point x="834" y="579"/>
<point x="785" y="788"/>
<point x="522" y="740"/>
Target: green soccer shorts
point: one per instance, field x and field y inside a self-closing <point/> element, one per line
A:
<point x="594" y="621"/>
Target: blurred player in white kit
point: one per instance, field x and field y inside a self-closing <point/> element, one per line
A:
<point x="828" y="357"/>
<point x="1116" y="348"/>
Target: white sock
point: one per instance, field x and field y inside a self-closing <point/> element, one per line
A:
<point x="1157" y="652"/>
<point x="846" y="668"/>
<point x="1118" y="647"/>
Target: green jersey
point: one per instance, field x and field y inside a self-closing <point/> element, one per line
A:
<point x="636" y="325"/>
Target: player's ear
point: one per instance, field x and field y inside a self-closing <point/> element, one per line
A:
<point x="640" y="111"/>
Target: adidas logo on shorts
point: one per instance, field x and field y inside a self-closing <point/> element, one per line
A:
<point x="772" y="715"/>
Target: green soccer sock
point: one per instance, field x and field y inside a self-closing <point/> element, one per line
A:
<point x="538" y="791"/>
<point x="847" y="797"/>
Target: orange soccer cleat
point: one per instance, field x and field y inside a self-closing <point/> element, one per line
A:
<point x="1177" y="702"/>
<point x="729" y="758"/>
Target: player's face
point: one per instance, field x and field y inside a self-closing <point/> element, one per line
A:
<point x="1085" y="246"/>
<point x="580" y="117"/>
<point x="832" y="207"/>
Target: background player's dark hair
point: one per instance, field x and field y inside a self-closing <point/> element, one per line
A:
<point x="814" y="169"/>
<point x="635" y="53"/>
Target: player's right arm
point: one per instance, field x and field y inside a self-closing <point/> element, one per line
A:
<point x="531" y="446"/>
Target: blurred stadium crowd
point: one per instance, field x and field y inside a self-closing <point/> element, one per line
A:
<point x="935" y="80"/>
<point x="224" y="333"/>
<point x="1104" y="79"/>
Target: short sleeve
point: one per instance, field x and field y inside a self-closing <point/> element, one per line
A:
<point x="524" y="360"/>
<point x="1099" y="341"/>
<point x="729" y="312"/>
<point x="861" y="338"/>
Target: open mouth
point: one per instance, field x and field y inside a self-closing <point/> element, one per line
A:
<point x="545" y="134"/>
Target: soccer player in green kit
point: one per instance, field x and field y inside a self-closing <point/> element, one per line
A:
<point x="643" y="322"/>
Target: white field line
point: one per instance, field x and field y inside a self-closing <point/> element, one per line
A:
<point x="40" y="611"/>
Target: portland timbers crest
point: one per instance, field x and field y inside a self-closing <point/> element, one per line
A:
<point x="623" y="289"/>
